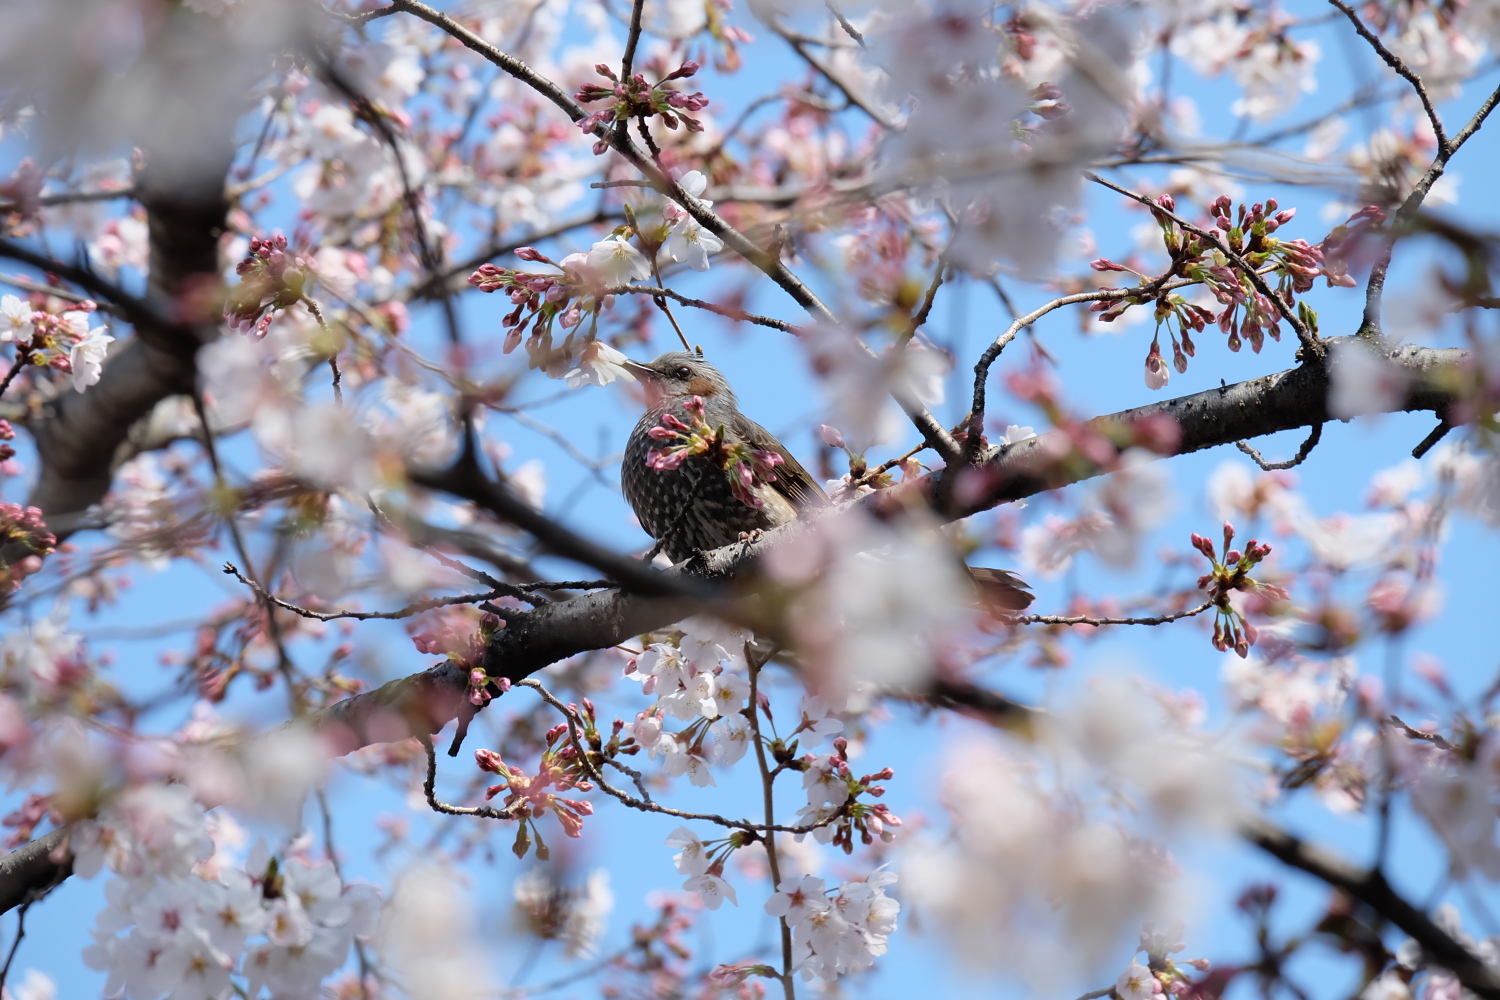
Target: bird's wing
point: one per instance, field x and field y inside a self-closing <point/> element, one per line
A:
<point x="792" y="480"/>
<point x="1001" y="593"/>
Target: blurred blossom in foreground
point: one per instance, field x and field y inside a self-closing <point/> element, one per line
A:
<point x="576" y="916"/>
<point x="1053" y="858"/>
<point x="427" y="936"/>
<point x="877" y="601"/>
<point x="859" y="385"/>
<point x="1004" y="128"/>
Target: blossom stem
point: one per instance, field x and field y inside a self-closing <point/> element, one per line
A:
<point x="767" y="784"/>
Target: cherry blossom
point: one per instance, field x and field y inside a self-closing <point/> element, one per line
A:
<point x="617" y="262"/>
<point x="15" y="319"/>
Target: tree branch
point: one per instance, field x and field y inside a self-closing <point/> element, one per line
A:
<point x="425" y="702"/>
<point x="1371" y="888"/>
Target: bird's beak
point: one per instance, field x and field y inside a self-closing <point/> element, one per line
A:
<point x="639" y="370"/>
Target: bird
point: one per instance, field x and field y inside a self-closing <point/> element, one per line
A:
<point x="693" y="508"/>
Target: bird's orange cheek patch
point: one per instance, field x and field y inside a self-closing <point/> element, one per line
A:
<point x="701" y="386"/>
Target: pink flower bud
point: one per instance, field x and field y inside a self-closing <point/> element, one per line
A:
<point x="831" y="436"/>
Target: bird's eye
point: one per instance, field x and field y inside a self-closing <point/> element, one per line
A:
<point x="684" y="372"/>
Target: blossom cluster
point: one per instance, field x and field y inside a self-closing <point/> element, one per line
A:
<point x="836" y="932"/>
<point x="699" y="679"/>
<point x="61" y="341"/>
<point x="833" y="807"/>
<point x="194" y="930"/>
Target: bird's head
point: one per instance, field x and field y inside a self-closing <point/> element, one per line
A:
<point x="680" y="374"/>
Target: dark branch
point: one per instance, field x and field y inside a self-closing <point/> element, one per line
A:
<point x="1371" y="888"/>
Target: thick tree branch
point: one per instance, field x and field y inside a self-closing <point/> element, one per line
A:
<point x="78" y="434"/>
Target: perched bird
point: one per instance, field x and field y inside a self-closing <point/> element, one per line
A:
<point x="693" y="506"/>
<point x="696" y="497"/>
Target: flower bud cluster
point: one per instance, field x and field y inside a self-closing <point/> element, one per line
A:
<point x="270" y="279"/>
<point x="1289" y="266"/>
<point x="1231" y="629"/>
<point x="635" y="98"/>
<point x="562" y="768"/>
<point x="747" y="468"/>
<point x="23" y="526"/>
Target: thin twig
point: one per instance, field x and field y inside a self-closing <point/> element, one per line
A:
<point x="920" y="318"/>
<point x="1375" y="288"/>
<point x="1433" y="437"/>
<point x="1163" y="283"/>
<point x="767" y="784"/>
<point x="273" y="628"/>
<point x="429" y="788"/>
<point x="849" y="29"/>
<point x="362" y="616"/>
<point x="20" y="933"/>
<point x="632" y="40"/>
<point x="850" y="93"/>
<point x="1402" y="70"/>
<point x="428" y="254"/>
<point x="338" y="869"/>
<point x="571" y="718"/>
<point x="1087" y="620"/>
<point x="1313" y="437"/>
<point x="27" y="285"/>
<point x="1436" y="739"/>
<point x="725" y="311"/>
